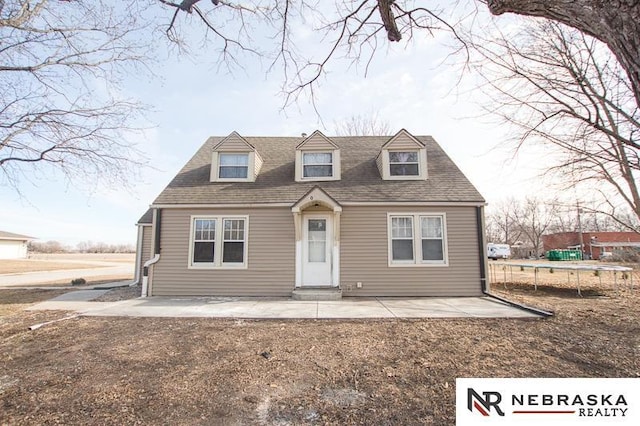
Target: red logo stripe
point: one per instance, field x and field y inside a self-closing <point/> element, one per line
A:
<point x="479" y="408"/>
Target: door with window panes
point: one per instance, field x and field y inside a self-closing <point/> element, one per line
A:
<point x="317" y="247"/>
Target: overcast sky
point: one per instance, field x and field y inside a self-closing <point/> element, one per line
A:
<point x="192" y="99"/>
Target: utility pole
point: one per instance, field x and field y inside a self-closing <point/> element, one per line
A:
<point x="580" y="230"/>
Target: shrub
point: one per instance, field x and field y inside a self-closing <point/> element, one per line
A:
<point x="78" y="281"/>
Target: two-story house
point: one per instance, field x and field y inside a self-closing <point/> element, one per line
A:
<point x="357" y="215"/>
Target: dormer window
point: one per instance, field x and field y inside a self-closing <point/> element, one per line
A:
<point x="403" y="157"/>
<point x="234" y="166"/>
<point x="317" y="164"/>
<point x="317" y="159"/>
<point x="404" y="163"/>
<point x="234" y="160"/>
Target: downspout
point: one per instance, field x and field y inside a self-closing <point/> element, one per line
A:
<point x="482" y="251"/>
<point x="157" y="216"/>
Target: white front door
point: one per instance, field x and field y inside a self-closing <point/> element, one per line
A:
<point x="317" y="249"/>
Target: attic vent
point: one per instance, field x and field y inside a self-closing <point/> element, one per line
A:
<point x="304" y="135"/>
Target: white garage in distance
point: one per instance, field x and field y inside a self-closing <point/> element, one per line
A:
<point x="13" y="246"/>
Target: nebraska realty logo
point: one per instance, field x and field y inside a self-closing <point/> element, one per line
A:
<point x="552" y="401"/>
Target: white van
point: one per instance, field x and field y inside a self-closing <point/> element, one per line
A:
<point x="498" y="251"/>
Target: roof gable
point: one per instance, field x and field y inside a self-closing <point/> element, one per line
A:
<point x="403" y="140"/>
<point x="317" y="141"/>
<point x="234" y="142"/>
<point x="316" y="196"/>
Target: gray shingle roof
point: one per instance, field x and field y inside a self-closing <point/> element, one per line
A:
<point x="11" y="236"/>
<point x="361" y="180"/>
<point x="147" y="217"/>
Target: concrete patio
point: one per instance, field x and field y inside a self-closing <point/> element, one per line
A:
<point x="285" y="308"/>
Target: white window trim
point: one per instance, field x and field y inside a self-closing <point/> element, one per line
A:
<point x="335" y="157"/>
<point x="215" y="166"/>
<point x="422" y="164"/>
<point x="219" y="242"/>
<point x="413" y="239"/>
<point x="417" y="241"/>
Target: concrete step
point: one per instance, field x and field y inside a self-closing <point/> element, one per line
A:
<point x="317" y="293"/>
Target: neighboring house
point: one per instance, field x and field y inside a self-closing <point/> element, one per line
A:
<point x="369" y="215"/>
<point x="13" y="246"/>
<point x="143" y="246"/>
<point x="594" y="243"/>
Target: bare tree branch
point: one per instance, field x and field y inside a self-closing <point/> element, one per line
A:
<point x="363" y="125"/>
<point x="349" y="29"/>
<point x="617" y="24"/>
<point x="60" y="109"/>
<point x="557" y="87"/>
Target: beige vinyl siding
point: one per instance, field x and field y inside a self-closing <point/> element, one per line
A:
<point x="270" y="259"/>
<point x="317" y="142"/>
<point x="258" y="165"/>
<point x="364" y="255"/>
<point x="234" y="143"/>
<point x="403" y="141"/>
<point x="145" y="254"/>
<point x="379" y="164"/>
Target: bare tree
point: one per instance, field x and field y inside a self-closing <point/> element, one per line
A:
<point x="102" y="247"/>
<point x="47" y="247"/>
<point x="512" y="221"/>
<point x="535" y="218"/>
<point x="345" y="29"/>
<point x="60" y="108"/>
<point x="559" y="88"/>
<point x="502" y="224"/>
<point x="363" y="125"/>
<point x="357" y="27"/>
<point x="615" y="23"/>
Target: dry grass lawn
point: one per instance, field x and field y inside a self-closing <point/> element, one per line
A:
<point x="16" y="266"/>
<point x="299" y="372"/>
<point x="59" y="261"/>
<point x="68" y="261"/>
<point x="88" y="257"/>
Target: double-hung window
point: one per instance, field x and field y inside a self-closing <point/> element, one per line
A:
<point x="218" y="242"/>
<point x="417" y="239"/>
<point x="233" y="246"/>
<point x="402" y="239"/>
<point x="204" y="240"/>
<point x="233" y="166"/>
<point x="317" y="164"/>
<point x="404" y="163"/>
<point x="432" y="238"/>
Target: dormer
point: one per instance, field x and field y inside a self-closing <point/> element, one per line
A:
<point x="403" y="157"/>
<point x="317" y="159"/>
<point x="235" y="160"/>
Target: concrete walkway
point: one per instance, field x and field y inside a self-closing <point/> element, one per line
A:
<point x="285" y="308"/>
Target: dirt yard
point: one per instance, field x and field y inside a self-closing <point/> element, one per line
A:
<point x="234" y="372"/>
